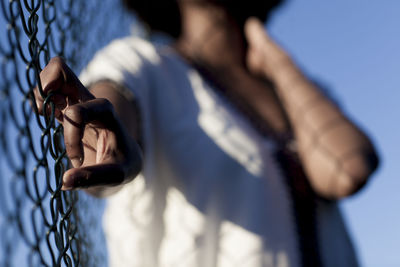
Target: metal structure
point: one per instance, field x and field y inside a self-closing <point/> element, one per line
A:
<point x="40" y="225"/>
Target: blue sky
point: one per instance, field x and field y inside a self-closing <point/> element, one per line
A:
<point x="354" y="48"/>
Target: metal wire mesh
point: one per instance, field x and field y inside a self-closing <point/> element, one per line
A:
<point x="40" y="225"/>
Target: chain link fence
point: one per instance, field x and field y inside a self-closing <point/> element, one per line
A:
<point x="40" y="225"/>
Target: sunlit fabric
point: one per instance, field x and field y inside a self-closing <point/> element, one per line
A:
<point x="211" y="192"/>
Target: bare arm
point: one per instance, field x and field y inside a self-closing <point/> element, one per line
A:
<point x="338" y="157"/>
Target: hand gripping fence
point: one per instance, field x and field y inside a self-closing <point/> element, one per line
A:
<point x="40" y="225"/>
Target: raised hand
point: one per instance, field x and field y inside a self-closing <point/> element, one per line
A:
<point x="264" y="56"/>
<point x="336" y="155"/>
<point x="101" y="151"/>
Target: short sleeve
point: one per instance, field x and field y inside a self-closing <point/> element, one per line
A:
<point x="126" y="62"/>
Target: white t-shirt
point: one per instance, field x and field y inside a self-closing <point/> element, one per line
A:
<point x="211" y="193"/>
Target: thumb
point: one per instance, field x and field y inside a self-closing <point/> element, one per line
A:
<point x="110" y="174"/>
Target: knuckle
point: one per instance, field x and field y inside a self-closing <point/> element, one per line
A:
<point x="70" y="144"/>
<point x="75" y="113"/>
<point x="106" y="104"/>
<point x="56" y="62"/>
<point x="55" y="66"/>
<point x="108" y="108"/>
<point x="53" y="75"/>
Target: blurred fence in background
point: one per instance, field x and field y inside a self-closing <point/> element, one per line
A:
<point x="39" y="224"/>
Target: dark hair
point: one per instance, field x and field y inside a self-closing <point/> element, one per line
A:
<point x="159" y="15"/>
<point x="165" y="16"/>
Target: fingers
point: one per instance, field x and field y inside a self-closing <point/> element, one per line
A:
<point x="99" y="113"/>
<point x="58" y="100"/>
<point x="59" y="79"/>
<point x="255" y="32"/>
<point x="96" y="175"/>
<point x="264" y="56"/>
<point x="257" y="39"/>
<point x="57" y="76"/>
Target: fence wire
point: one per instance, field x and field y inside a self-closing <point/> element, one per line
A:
<point x="40" y="225"/>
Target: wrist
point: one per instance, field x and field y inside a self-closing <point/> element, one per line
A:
<point x="287" y="75"/>
<point x="278" y="67"/>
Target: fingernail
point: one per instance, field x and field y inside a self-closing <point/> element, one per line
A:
<point x="66" y="188"/>
<point x="68" y="183"/>
<point x="76" y="181"/>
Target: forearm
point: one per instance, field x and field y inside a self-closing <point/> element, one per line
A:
<point x="337" y="156"/>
